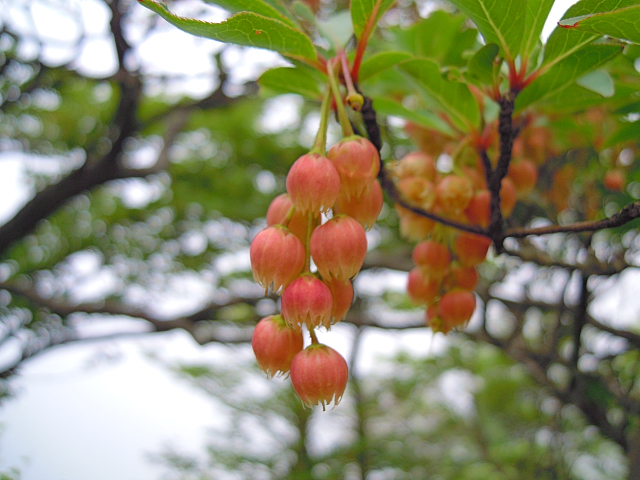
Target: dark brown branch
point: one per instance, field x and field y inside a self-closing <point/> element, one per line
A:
<point x="91" y="174"/>
<point x="579" y="321"/>
<point x="505" y="130"/>
<point x="529" y="253"/>
<point x="98" y="171"/>
<point x="486" y="164"/>
<point x="627" y="214"/>
<point x="115" y="24"/>
<point x="632" y="338"/>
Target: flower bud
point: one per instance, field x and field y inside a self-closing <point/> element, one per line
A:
<point x="433" y="256"/>
<point x="357" y="161"/>
<point x="313" y="184"/>
<point x="413" y="226"/>
<point x="275" y="344"/>
<point x="319" y="375"/>
<point x="421" y="287"/>
<point x="365" y="209"/>
<point x="338" y="247"/>
<point x="463" y="277"/>
<point x="471" y="249"/>
<point x="454" y="194"/>
<point x="456" y="307"/>
<point x="278" y="211"/>
<point x="277" y="257"/>
<point x="342" y="294"/>
<point x="307" y="301"/>
<point x="415" y="164"/>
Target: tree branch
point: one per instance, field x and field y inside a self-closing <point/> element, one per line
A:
<point x="592" y="266"/>
<point x="88" y="176"/>
<point x="627" y="214"/>
<point x="505" y="130"/>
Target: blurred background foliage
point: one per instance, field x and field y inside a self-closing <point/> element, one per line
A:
<point x="142" y="202"/>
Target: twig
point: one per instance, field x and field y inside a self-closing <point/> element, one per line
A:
<point x="627" y="214"/>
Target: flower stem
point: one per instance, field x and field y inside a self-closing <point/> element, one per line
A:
<point x="347" y="130"/>
<point x="307" y="244"/>
<point x="354" y="99"/>
<point x="287" y="219"/>
<point x="314" y="339"/>
<point x="320" y="144"/>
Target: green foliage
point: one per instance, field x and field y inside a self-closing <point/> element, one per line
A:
<point x="453" y="98"/>
<point x="290" y="80"/>
<point x="366" y="13"/>
<point x="564" y="74"/>
<point x="623" y="23"/>
<point x="563" y="42"/>
<point x="256" y="6"/>
<point x="247" y="29"/>
<point x="499" y="22"/>
<point x="537" y="12"/>
<point x="482" y="66"/>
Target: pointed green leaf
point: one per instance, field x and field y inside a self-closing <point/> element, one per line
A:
<point x="499" y="21"/>
<point x="571" y="99"/>
<point x="337" y="29"/>
<point x="598" y="81"/>
<point x="384" y="106"/>
<point x="259" y="7"/>
<point x="380" y="62"/>
<point x="537" y="13"/>
<point x="564" y="42"/>
<point x="291" y="80"/>
<point x="623" y="23"/>
<point x="627" y="133"/>
<point x="565" y="73"/>
<point x="454" y="98"/>
<point x="279" y="6"/>
<point x="441" y="36"/>
<point x="434" y="35"/>
<point x="303" y="11"/>
<point x="246" y="29"/>
<point x="367" y="11"/>
<point x="633" y="107"/>
<point x="576" y="98"/>
<point x="481" y="65"/>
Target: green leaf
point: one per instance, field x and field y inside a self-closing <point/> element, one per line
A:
<point x="441" y="36"/>
<point x="337" y="29"/>
<point x="435" y="35"/>
<point x="246" y="29"/>
<point x="565" y="73"/>
<point x="303" y="11"/>
<point x="366" y="11"/>
<point x="380" y="62"/>
<point x="254" y="6"/>
<point x="537" y="13"/>
<point x="454" y="98"/>
<point x="598" y="81"/>
<point x="499" y="21"/>
<point x="633" y="107"/>
<point x="291" y="80"/>
<point x="384" y="106"/>
<point x="481" y="65"/>
<point x="576" y="98"/>
<point x="627" y="133"/>
<point x="564" y="42"/>
<point x="623" y="23"/>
